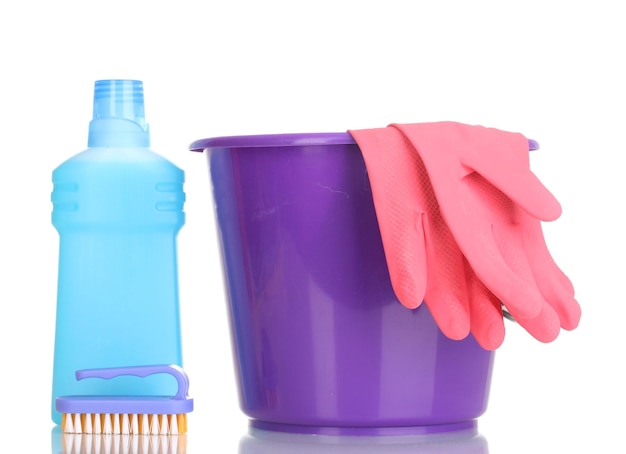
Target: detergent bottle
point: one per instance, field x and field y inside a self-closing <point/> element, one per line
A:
<point x="118" y="208"/>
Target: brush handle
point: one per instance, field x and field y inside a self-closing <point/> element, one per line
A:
<point x="141" y="371"/>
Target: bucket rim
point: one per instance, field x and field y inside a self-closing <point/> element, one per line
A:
<point x="273" y="140"/>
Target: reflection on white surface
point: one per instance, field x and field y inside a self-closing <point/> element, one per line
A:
<point x="257" y="441"/>
<point x="65" y="443"/>
<point x="265" y="442"/>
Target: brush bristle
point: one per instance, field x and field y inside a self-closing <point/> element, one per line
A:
<point x="123" y="444"/>
<point x="124" y="424"/>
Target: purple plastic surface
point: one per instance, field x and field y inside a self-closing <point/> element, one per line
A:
<point x="281" y="140"/>
<point x="176" y="404"/>
<point x="321" y="343"/>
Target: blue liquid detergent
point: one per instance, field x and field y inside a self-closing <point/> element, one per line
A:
<point x="117" y="207"/>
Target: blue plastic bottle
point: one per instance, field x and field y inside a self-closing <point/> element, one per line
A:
<point x="117" y="207"/>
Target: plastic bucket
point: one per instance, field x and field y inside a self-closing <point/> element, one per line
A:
<point x="321" y="344"/>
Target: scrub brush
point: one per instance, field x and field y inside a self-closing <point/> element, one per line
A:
<point x="155" y="415"/>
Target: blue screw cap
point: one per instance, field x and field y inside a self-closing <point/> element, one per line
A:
<point x="118" y="115"/>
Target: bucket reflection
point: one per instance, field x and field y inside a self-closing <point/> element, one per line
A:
<point x="265" y="442"/>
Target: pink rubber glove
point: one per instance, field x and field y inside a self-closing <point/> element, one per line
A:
<point x="423" y="258"/>
<point x="493" y="204"/>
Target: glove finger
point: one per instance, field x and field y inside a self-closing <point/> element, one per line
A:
<point x="503" y="160"/>
<point x="503" y="281"/>
<point x="554" y="285"/>
<point x="487" y="323"/>
<point x="406" y="261"/>
<point x="450" y="312"/>
<point x="544" y="327"/>
<point x="398" y="209"/>
<point x="446" y="291"/>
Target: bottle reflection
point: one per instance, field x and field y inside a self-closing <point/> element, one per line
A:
<point x="266" y="442"/>
<point x="63" y="443"/>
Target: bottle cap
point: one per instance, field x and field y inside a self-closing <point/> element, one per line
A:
<point x="118" y="115"/>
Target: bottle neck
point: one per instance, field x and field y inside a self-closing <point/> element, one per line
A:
<point x="118" y="132"/>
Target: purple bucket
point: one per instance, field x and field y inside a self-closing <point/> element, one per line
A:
<point x="321" y="343"/>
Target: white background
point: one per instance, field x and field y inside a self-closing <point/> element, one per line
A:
<point x="553" y="70"/>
